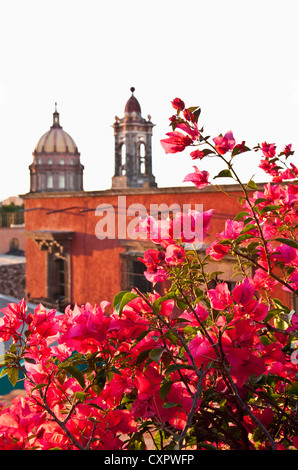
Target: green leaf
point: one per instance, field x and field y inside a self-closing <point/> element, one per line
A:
<point x="170" y="404"/>
<point x="248" y="227"/>
<point x="165" y="389"/>
<point x="243" y="237"/>
<point x="76" y="374"/>
<point x="206" y="446"/>
<point x="240" y="215"/>
<point x="13" y="375"/>
<point x="39" y="386"/>
<point x="269" y="208"/>
<point x="156" y="353"/>
<point x="287" y="241"/>
<point x="293" y="389"/>
<point x="175" y="367"/>
<point x="30" y="360"/>
<point x="157" y="303"/>
<point x="121" y="299"/>
<point x="224" y="174"/>
<point x="259" y="200"/>
<point x="252" y="185"/>
<point x="143" y="356"/>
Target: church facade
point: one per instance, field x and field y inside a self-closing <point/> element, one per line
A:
<point x="68" y="260"/>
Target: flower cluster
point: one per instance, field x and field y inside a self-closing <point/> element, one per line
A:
<point x="201" y="366"/>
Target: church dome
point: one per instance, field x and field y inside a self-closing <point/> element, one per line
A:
<point x="132" y="105"/>
<point x="56" y="140"/>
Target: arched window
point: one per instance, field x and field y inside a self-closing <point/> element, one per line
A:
<point x="13" y="245"/>
<point x="50" y="161"/>
<point x="72" y="181"/>
<point x="50" y="181"/>
<point x="61" y="181"/>
<point x="61" y="161"/>
<point x="123" y="160"/>
<point x="142" y="158"/>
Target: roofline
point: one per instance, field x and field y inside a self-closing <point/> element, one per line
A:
<point x="137" y="191"/>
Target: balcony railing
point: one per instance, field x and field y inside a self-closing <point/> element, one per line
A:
<point x="7" y="219"/>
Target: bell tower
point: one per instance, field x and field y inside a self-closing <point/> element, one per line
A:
<point x="133" y="148"/>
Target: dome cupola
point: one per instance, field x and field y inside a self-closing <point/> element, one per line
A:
<point x="56" y="161"/>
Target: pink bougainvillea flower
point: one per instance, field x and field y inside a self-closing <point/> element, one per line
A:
<point x="159" y="275"/>
<point x="174" y="255"/>
<point x="197" y="154"/>
<point x="176" y="142"/>
<point x="243" y="293"/>
<point x="158" y="231"/>
<point x="268" y="150"/>
<point x="193" y="131"/>
<point x="202" y="350"/>
<point x="287" y="255"/>
<point x="290" y="173"/>
<point x="220" y="297"/>
<point x="152" y="258"/>
<point x="262" y="280"/>
<point x="217" y="251"/>
<point x="147" y="382"/>
<point x="177" y="103"/>
<point x="264" y="416"/>
<point x="188" y="115"/>
<point x="224" y="143"/>
<point x="287" y="151"/>
<point x="244" y="364"/>
<point x="232" y="229"/>
<point x="201" y="314"/>
<point x="199" y="178"/>
<point x="191" y="227"/>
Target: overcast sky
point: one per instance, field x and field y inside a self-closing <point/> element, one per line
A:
<point x="237" y="60"/>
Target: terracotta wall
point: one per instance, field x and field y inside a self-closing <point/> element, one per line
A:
<point x="96" y="264"/>
<point x="6" y="235"/>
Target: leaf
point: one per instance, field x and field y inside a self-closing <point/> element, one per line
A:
<point x="13" y="375"/>
<point x="76" y="374"/>
<point x="243" y="237"/>
<point x="175" y="367"/>
<point x="248" y="227"/>
<point x="240" y="215"/>
<point x="259" y="200"/>
<point x="157" y="303"/>
<point x="165" y="389"/>
<point x="170" y="404"/>
<point x="121" y="299"/>
<point x="287" y="241"/>
<point x="143" y="356"/>
<point x="224" y="174"/>
<point x="269" y="208"/>
<point x="252" y="185"/>
<point x="156" y="353"/>
<point x="293" y="389"/>
<point x="206" y="446"/>
<point x="30" y="360"/>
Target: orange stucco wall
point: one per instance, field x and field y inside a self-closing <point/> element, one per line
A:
<point x="96" y="264"/>
<point x="7" y="234"/>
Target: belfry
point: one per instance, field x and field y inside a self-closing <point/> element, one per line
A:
<point x="133" y="148"/>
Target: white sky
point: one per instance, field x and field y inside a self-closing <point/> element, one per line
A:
<point x="237" y="60"/>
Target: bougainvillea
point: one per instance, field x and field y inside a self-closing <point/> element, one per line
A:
<point x="203" y="366"/>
